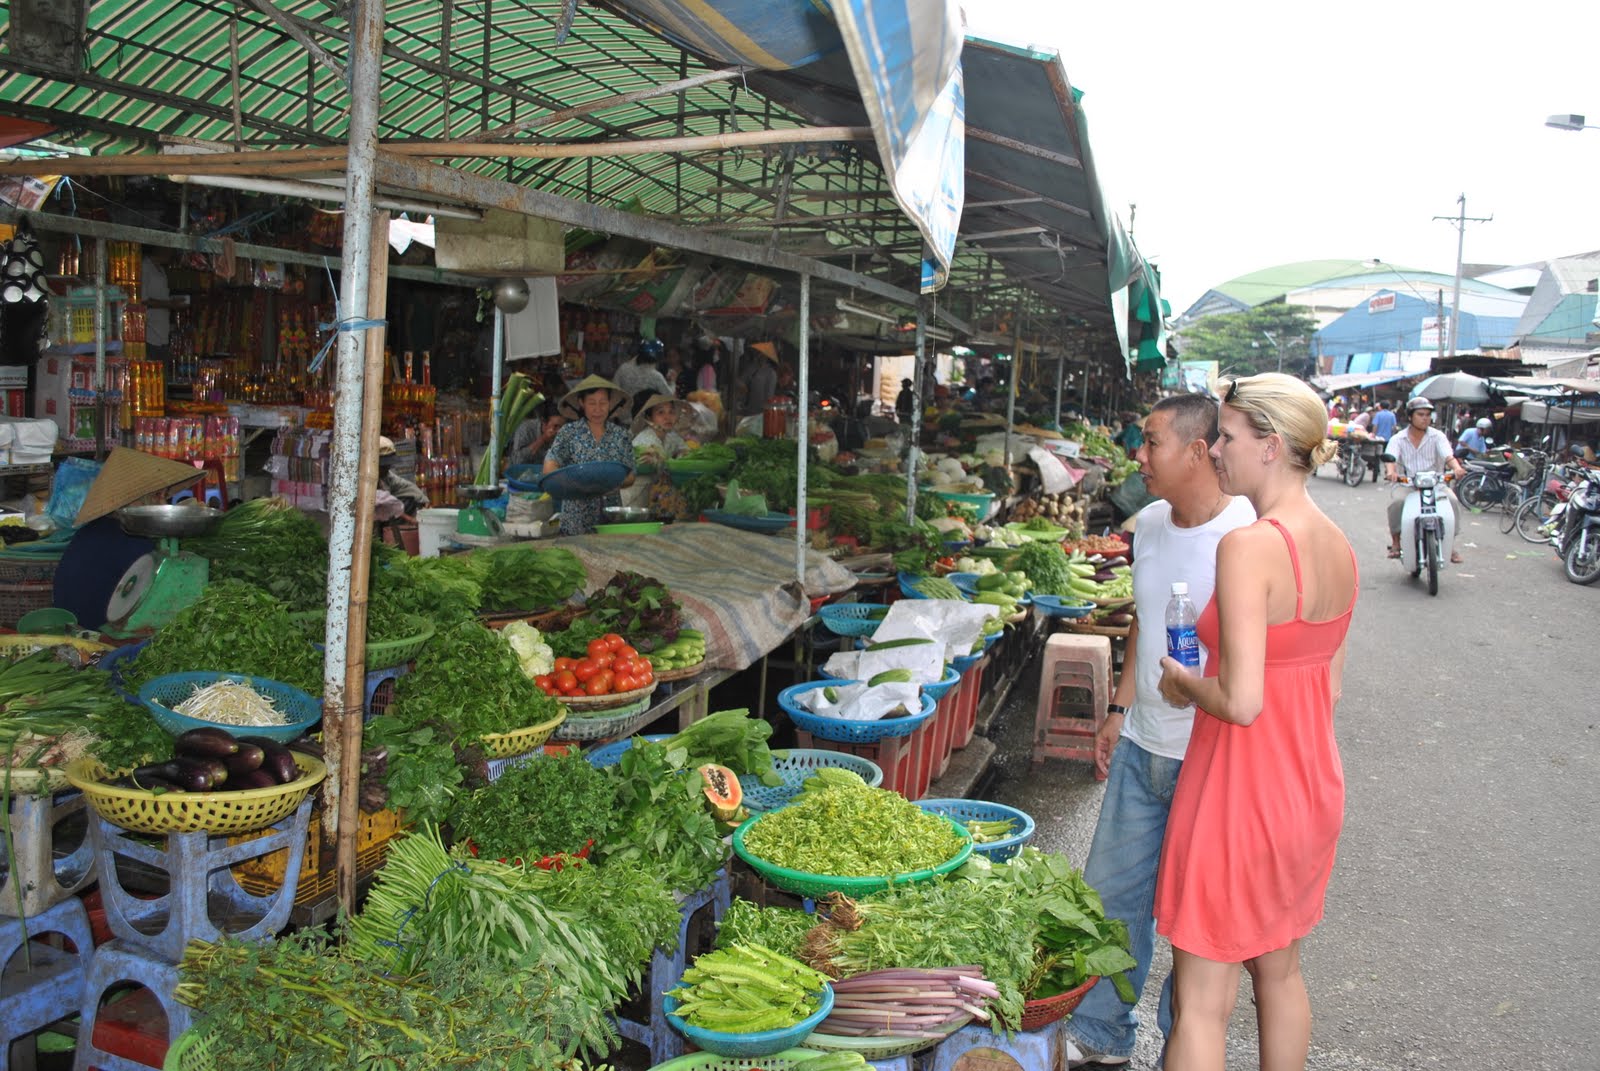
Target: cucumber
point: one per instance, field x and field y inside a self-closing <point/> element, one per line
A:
<point x="831" y="694"/>
<point x="909" y="641"/>
<point x="890" y="676"/>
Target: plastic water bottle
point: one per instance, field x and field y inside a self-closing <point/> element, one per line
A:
<point x="1182" y="642"/>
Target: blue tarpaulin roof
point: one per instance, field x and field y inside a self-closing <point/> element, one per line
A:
<point x="1399" y="328"/>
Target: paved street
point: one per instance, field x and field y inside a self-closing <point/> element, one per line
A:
<point x="1462" y="929"/>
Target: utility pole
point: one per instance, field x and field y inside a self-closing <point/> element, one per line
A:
<point x="1459" y="221"/>
<point x="1441" y="325"/>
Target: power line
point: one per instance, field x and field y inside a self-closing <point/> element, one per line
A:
<point x="1459" y="221"/>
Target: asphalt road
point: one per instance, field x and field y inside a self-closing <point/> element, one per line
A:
<point x="1462" y="927"/>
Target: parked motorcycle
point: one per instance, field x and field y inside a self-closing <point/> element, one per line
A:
<point x="1491" y="482"/>
<point x="1356" y="458"/>
<point x="1578" y="540"/>
<point x="1426" y="531"/>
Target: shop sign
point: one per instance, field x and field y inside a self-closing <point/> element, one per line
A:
<point x="1380" y="303"/>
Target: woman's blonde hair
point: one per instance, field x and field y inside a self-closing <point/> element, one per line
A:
<point x="1276" y="404"/>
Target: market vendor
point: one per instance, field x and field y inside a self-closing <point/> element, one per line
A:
<point x="655" y="440"/>
<point x="412" y="498"/>
<point x="532" y="439"/>
<point x="591" y="434"/>
<point x="760" y="381"/>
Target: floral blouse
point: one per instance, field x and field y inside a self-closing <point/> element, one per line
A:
<point x="574" y="444"/>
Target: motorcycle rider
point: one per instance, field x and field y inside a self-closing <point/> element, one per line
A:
<point x="1474" y="442"/>
<point x="1419" y="447"/>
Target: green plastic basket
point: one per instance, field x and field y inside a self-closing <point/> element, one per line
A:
<point x="802" y="883"/>
<point x="388" y="653"/>
<point x="880" y="1048"/>
<point x="191" y="1051"/>
<point x="710" y="1061"/>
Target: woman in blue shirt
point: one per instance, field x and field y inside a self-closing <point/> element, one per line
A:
<point x="590" y="435"/>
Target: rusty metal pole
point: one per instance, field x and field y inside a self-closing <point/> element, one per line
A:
<point x="342" y="711"/>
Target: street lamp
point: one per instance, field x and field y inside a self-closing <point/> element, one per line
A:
<point x="1569" y="121"/>
<point x="1268" y="336"/>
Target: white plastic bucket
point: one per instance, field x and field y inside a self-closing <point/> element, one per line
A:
<point x="435" y="527"/>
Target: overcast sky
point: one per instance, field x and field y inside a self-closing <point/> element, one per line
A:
<point x="1251" y="134"/>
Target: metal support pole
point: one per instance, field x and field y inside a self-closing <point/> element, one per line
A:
<point x="914" y="454"/>
<point x="803" y="429"/>
<point x="1061" y="372"/>
<point x="100" y="320"/>
<point x="494" y="395"/>
<point x="342" y="722"/>
<point x="1011" y="393"/>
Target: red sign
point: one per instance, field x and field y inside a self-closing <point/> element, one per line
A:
<point x="1380" y="303"/>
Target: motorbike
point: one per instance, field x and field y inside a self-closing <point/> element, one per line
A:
<point x="1493" y="482"/>
<point x="1426" y="531"/>
<point x="1356" y="458"/>
<point x="1577" y="540"/>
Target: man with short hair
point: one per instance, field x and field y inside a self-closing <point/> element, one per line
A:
<point x="1420" y="447"/>
<point x="1383" y="422"/>
<point x="1142" y="741"/>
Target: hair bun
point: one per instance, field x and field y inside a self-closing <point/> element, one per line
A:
<point x="1325" y="452"/>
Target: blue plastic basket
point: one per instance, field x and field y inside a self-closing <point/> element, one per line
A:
<point x="849" y="732"/>
<point x="963" y="663"/>
<point x="798" y="764"/>
<point x="587" y="479"/>
<point x="967" y="582"/>
<point x="764" y="1043"/>
<point x="161" y="694"/>
<point x="524" y="478"/>
<point x="906" y="580"/>
<point x="116" y="662"/>
<point x="851" y="618"/>
<point x="936" y="690"/>
<point x="1056" y="606"/>
<point x="983" y="811"/>
<point x="766" y="523"/>
<point x="611" y="754"/>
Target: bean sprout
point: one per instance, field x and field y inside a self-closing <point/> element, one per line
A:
<point x="231" y="703"/>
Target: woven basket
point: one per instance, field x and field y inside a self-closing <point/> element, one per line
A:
<point x="18" y="600"/>
<point x="852" y="618"/>
<point x="584" y="726"/>
<point x="191" y="1051"/>
<point x="667" y="676"/>
<point x="518" y="741"/>
<point x="707" y="1061"/>
<point x="882" y="1048"/>
<point x="1043" y="1012"/>
<point x="386" y="654"/>
<point x="596" y="704"/>
<point x="34" y="781"/>
<point x="161" y="694"/>
<point x="983" y="811"/>
<point x="797" y="764"/>
<point x="802" y="883"/>
<point x="849" y="732"/>
<point x="139" y="811"/>
<point x="611" y="754"/>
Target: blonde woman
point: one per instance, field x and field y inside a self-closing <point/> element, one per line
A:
<point x="1259" y="802"/>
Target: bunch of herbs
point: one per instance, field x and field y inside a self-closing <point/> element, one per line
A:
<point x="233" y="627"/>
<point x="270" y="543"/>
<point x="446" y="589"/>
<point x="660" y="819"/>
<point x="573" y="641"/>
<point x="519" y="578"/>
<point x="782" y="929"/>
<point x="639" y="607"/>
<point x="557" y="803"/>
<point x="730" y="738"/>
<point x="849" y="830"/>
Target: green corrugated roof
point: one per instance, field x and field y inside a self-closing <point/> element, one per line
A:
<point x="1269" y="284"/>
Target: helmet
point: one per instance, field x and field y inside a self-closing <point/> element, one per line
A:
<point x="652" y="349"/>
<point x="1418" y="403"/>
<point x="1484" y="423"/>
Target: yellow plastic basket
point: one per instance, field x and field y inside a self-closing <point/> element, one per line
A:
<point x="520" y="741"/>
<point x="139" y="811"/>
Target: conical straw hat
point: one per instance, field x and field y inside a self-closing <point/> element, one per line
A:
<point x="129" y="476"/>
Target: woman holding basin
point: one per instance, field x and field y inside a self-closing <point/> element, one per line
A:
<point x="655" y="442"/>
<point x="591" y="434"/>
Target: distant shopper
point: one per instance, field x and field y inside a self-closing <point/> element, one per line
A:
<point x="905" y="402"/>
<point x="760" y="380"/>
<point x="641" y="377"/>
<point x="1383" y="422"/>
<point x="412" y="498"/>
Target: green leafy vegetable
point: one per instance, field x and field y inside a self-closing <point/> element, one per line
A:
<point x="850" y="830"/>
<point x="639" y="607"/>
<point x="521" y="578"/>
<point x="270" y="543"/>
<point x="660" y="820"/>
<point x="781" y="929"/>
<point x="446" y="589"/>
<point x="573" y="641"/>
<point x="232" y="628"/>
<point x="553" y="804"/>
<point x="730" y="738"/>
<point x="1046" y="566"/>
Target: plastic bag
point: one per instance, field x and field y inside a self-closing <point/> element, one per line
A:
<point x="69" y="488"/>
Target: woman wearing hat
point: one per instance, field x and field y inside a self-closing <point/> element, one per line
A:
<point x="761" y="381"/>
<point x="590" y="435"/>
<point x="656" y="439"/>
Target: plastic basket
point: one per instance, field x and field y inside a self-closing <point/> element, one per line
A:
<point x="710" y="1061"/>
<point x="249" y="809"/>
<point x="190" y="1051"/>
<point x="605" y="725"/>
<point x="761" y="1043"/>
<point x="587" y="479"/>
<point x="611" y="754"/>
<point x="980" y="502"/>
<point x="852" y="618"/>
<point x="263" y="875"/>
<point x="1047" y="1010"/>
<point x="161" y="694"/>
<point x="984" y="811"/>
<point x="766" y="523"/>
<point x="1056" y="606"/>
<point x="964" y="663"/>
<point x="936" y="690"/>
<point x="967" y="582"/>
<point x="882" y="1048"/>
<point x="798" y="764"/>
<point x="519" y="741"/>
<point x="386" y="654"/>
<point x="849" y="732"/>
<point x="802" y="883"/>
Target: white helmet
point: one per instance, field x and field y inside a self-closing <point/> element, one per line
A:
<point x="1484" y="423"/>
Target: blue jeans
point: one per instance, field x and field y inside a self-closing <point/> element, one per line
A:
<point x="1122" y="868"/>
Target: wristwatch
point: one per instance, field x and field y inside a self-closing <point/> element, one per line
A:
<point x="1116" y="708"/>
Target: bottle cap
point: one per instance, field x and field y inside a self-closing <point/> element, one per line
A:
<point x="1180" y="587"/>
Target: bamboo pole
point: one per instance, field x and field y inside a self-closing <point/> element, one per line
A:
<point x="666" y="89"/>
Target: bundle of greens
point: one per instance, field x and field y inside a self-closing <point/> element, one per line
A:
<point x="782" y="929"/>
<point x="518" y="400"/>
<point x="446" y="590"/>
<point x="520" y="578"/>
<point x="551" y="805"/>
<point x="233" y="627"/>
<point x="720" y="453"/>
<point x="47" y="708"/>
<point x="385" y="621"/>
<point x="659" y="819"/>
<point x="466" y="683"/>
<point x="849" y="830"/>
<point x="730" y="738"/>
<point x="639" y="607"/>
<point x="1046" y="566"/>
<point x="271" y="544"/>
<point x="1075" y="939"/>
<point x="929" y="925"/>
<point x="573" y="641"/>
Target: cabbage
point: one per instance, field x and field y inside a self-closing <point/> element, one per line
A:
<point x="532" y="652"/>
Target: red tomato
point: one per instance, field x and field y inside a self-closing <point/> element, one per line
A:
<point x="585" y="670"/>
<point x="565" y="663"/>
<point x="625" y="651"/>
<point x="596" y="686"/>
<point x="598" y="647"/>
<point x="565" y="680"/>
<point x="613" y="641"/>
<point x="606" y="661"/>
<point x="545" y="681"/>
<point x="609" y="679"/>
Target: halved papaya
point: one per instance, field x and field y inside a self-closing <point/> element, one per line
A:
<point x="722" y="790"/>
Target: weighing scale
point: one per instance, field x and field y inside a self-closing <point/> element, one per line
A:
<point x="474" y="519"/>
<point x="157" y="586"/>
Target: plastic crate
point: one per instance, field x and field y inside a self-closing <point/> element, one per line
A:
<point x="849" y="732"/>
<point x="797" y="765"/>
<point x="984" y="811"/>
<point x="264" y="874"/>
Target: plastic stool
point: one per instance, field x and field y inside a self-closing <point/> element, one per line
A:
<point x="53" y="989"/>
<point x="1044" y="1049"/>
<point x="197" y="866"/>
<point x="44" y="878"/>
<point x="112" y="964"/>
<point x="666" y="970"/>
<point x="1071" y="661"/>
<point x="376" y="679"/>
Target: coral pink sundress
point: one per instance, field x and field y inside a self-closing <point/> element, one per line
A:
<point x="1257" y="810"/>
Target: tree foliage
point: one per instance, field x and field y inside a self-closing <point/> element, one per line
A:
<point x="1239" y="341"/>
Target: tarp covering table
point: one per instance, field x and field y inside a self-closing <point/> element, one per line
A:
<point x="738" y="586"/>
